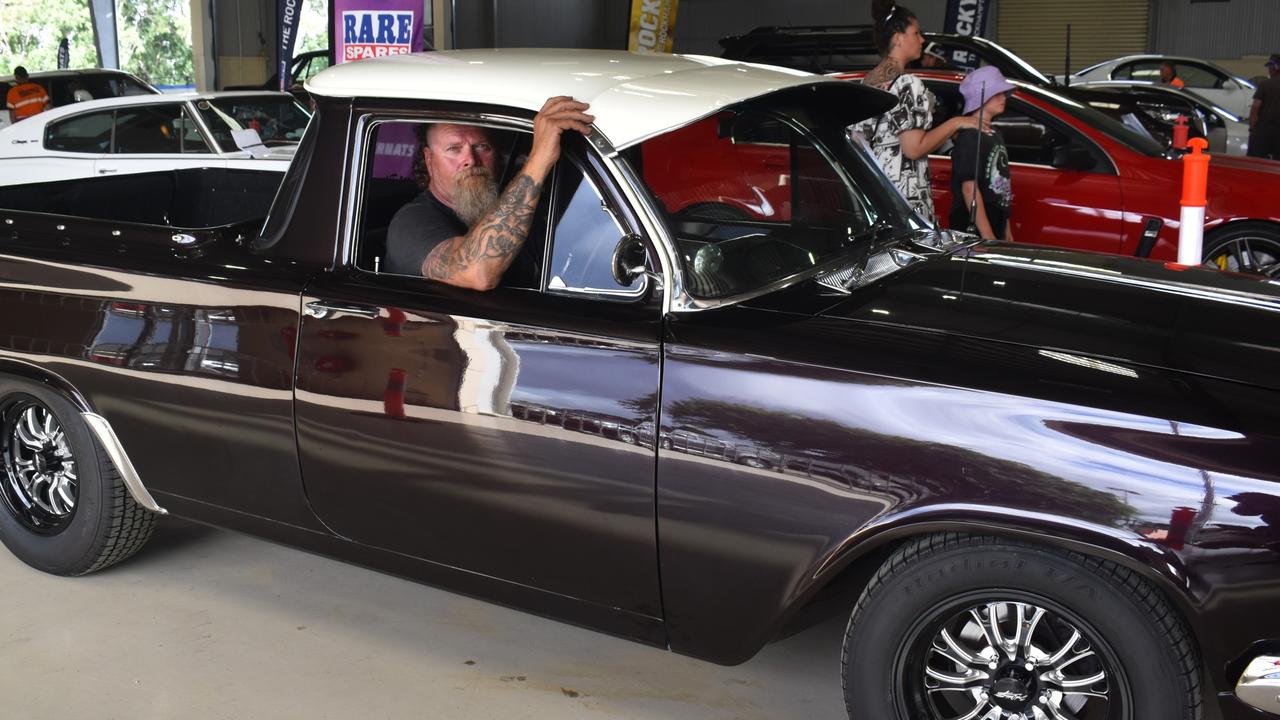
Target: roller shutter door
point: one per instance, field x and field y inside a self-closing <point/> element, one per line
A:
<point x="1100" y="30"/>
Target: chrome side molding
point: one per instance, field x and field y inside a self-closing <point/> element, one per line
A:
<point x="1259" y="686"/>
<point x="107" y="438"/>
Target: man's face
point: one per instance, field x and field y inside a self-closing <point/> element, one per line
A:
<point x="460" y="161"/>
<point x="1166" y="72"/>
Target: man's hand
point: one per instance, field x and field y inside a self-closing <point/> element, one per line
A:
<point x="557" y="115"/>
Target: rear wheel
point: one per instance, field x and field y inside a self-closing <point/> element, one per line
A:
<point x="63" y="507"/>
<point x="957" y="627"/>
<point x="1246" y="247"/>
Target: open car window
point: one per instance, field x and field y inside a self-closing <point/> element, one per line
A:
<point x="392" y="176"/>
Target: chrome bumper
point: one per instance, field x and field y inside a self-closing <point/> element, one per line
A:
<point x="1259" y="686"/>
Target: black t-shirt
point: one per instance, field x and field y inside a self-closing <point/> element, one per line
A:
<point x="416" y="229"/>
<point x="994" y="182"/>
<point x="1269" y="93"/>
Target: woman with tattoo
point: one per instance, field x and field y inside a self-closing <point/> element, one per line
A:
<point x="901" y="139"/>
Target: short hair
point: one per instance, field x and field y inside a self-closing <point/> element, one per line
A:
<point x="20" y="73"/>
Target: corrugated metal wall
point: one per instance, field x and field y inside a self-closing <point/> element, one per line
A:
<point x="1216" y="29"/>
<point x="1100" y="30"/>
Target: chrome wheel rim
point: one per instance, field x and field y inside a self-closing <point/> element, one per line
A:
<point x="1256" y="254"/>
<point x="1011" y="659"/>
<point x="42" y="483"/>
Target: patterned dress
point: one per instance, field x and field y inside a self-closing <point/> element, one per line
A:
<point x="914" y="111"/>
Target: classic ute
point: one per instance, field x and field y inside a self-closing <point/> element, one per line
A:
<point x="713" y="397"/>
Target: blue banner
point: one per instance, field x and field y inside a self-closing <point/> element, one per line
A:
<point x="287" y="21"/>
<point x="968" y="18"/>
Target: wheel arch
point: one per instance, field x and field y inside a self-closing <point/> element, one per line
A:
<point x="861" y="554"/>
<point x="1215" y="228"/>
<point x="98" y="425"/>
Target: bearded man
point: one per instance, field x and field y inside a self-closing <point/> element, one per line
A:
<point x="460" y="231"/>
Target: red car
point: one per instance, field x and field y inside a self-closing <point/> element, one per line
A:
<point x="1084" y="180"/>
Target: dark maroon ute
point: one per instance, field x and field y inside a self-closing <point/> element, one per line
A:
<point x="1043" y="483"/>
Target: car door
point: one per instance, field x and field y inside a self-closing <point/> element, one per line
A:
<point x="1065" y="189"/>
<point x="507" y="434"/>
<point x="153" y="137"/>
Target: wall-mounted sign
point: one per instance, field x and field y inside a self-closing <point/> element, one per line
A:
<point x="653" y="25"/>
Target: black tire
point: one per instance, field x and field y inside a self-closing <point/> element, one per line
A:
<point x="91" y="521"/>
<point x="1136" y="659"/>
<point x="1249" y="247"/>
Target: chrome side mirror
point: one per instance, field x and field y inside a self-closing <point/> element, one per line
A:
<point x="629" y="257"/>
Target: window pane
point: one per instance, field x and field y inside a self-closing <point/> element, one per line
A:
<point x="149" y="129"/>
<point x="278" y="119"/>
<point x="192" y="140"/>
<point x="585" y="236"/>
<point x="84" y="133"/>
<point x="1198" y="76"/>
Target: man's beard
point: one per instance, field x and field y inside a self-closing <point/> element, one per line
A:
<point x="475" y="194"/>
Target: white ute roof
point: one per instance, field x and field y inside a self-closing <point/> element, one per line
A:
<point x="632" y="95"/>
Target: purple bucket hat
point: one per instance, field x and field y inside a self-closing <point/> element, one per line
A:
<point x="981" y="85"/>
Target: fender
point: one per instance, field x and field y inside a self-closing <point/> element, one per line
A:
<point x="101" y="429"/>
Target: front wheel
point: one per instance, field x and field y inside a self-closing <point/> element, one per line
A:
<point x="957" y="627"/>
<point x="1246" y="247"/>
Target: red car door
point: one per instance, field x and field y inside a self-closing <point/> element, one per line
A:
<point x="1066" y="191"/>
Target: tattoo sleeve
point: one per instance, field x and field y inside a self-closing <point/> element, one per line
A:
<point x="493" y="243"/>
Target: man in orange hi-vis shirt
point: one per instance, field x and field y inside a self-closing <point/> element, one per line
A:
<point x="25" y="98"/>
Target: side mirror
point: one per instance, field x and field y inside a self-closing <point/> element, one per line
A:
<point x="1073" y="157"/>
<point x="629" y="257"/>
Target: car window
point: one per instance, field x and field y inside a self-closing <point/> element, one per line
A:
<point x="88" y="133"/>
<point x="1199" y="76"/>
<point x="193" y="141"/>
<point x="148" y="129"/>
<point x="585" y="233"/>
<point x="112" y="85"/>
<point x="1147" y="70"/>
<point x="393" y="176"/>
<point x="278" y="119"/>
<point x="313" y="66"/>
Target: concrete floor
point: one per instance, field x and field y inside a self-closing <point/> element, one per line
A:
<point x="206" y="624"/>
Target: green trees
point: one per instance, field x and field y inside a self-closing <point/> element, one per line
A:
<point x="154" y="37"/>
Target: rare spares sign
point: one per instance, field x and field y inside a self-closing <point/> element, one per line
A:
<point x="376" y="28"/>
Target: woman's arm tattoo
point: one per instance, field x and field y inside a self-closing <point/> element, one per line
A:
<point x="496" y="239"/>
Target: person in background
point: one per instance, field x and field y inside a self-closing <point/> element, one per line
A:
<point x="980" y="161"/>
<point x="25" y="98"/>
<point x="1169" y="76"/>
<point x="901" y="139"/>
<point x="1264" y="115"/>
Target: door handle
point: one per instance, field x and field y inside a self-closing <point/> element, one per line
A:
<point x="321" y="310"/>
<point x="104" y="171"/>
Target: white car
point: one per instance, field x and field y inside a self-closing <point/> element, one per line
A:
<point x="1230" y="91"/>
<point x="1226" y="132"/>
<point x="119" y="136"/>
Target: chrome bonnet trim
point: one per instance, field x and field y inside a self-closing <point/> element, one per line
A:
<point x="1259" y="685"/>
<point x="107" y="438"/>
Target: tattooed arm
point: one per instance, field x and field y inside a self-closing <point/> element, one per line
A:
<point x="478" y="259"/>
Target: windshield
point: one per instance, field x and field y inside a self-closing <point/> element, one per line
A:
<point x="1098" y="120"/>
<point x="278" y="120"/>
<point x="755" y="195"/>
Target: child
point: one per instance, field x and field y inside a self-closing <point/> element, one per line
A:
<point x="981" y="153"/>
